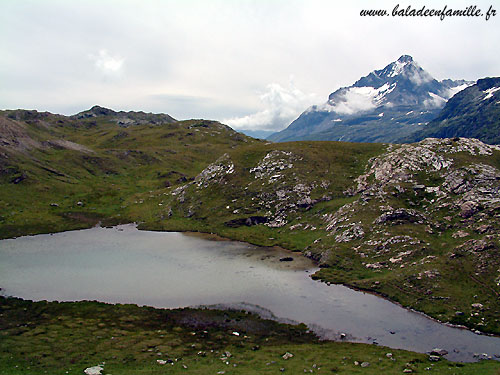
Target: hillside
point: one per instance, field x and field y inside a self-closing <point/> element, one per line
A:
<point x="416" y="223"/>
<point x="384" y="106"/>
<point x="473" y="113"/>
<point x="59" y="172"/>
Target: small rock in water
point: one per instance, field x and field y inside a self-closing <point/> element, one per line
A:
<point x="439" y="351"/>
<point x="286" y="259"/>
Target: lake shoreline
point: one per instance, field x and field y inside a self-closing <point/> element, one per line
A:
<point x="215" y="238"/>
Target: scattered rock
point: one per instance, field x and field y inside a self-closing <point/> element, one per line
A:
<point x="95" y="370"/>
<point x="287" y="355"/>
<point x="286" y="259"/>
<point x="460" y="234"/>
<point x="365" y="364"/>
<point x="468" y="209"/>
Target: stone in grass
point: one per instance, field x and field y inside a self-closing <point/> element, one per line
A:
<point x="434" y="358"/>
<point x="365" y="364"/>
<point x="287" y="355"/>
<point x="94" y="370"/>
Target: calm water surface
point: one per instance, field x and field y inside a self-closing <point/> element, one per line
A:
<point x="125" y="265"/>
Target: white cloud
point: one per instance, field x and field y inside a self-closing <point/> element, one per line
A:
<point x="281" y="106"/>
<point x="435" y="101"/>
<point x="107" y="63"/>
<point x="225" y="53"/>
<point x="358" y="99"/>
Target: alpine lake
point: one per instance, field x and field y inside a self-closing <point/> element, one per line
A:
<point x="170" y="270"/>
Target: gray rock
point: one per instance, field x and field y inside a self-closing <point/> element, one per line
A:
<point x="439" y="351"/>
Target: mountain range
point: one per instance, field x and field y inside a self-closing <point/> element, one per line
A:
<point x="472" y="113"/>
<point x="384" y="106"/>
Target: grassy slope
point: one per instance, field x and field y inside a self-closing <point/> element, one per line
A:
<point x="122" y="162"/>
<point x="55" y="338"/>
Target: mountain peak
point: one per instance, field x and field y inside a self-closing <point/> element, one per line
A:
<point x="383" y="106"/>
<point x="404" y="66"/>
<point x="405" y="59"/>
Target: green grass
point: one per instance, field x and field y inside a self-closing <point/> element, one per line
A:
<point x="55" y="338"/>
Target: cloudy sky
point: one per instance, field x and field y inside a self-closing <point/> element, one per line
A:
<point x="253" y="64"/>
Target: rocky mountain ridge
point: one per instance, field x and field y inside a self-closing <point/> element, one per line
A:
<point x="125" y="119"/>
<point x="473" y="112"/>
<point x="383" y="106"/>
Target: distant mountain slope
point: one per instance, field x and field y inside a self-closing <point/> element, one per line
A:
<point x="473" y="113"/>
<point x="126" y="118"/>
<point x="386" y="105"/>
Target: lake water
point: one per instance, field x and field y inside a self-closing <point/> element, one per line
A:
<point x="125" y="265"/>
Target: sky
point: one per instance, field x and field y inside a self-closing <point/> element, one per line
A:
<point x="251" y="64"/>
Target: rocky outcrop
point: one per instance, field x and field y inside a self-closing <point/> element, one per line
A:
<point x="400" y="216"/>
<point x="248" y="221"/>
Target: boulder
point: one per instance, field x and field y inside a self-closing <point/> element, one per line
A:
<point x="400" y="216"/>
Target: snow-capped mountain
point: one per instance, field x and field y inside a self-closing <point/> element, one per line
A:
<point x="472" y="113"/>
<point x="383" y="106"/>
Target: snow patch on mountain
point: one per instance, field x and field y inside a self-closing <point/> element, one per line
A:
<point x="489" y="92"/>
<point x="453" y="90"/>
<point x="397" y="68"/>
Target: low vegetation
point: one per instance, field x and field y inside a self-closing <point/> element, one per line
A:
<point x="69" y="338"/>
